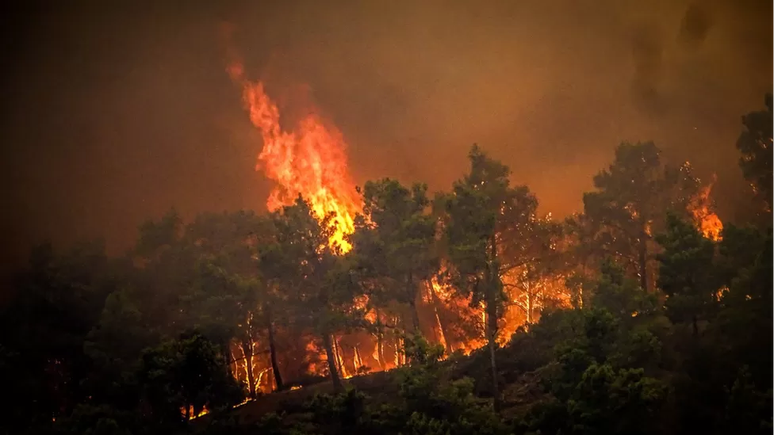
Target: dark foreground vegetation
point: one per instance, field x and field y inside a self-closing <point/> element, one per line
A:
<point x="659" y="328"/>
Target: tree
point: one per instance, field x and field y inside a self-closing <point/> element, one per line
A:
<point x="312" y="273"/>
<point x="536" y="263"/>
<point x="629" y="203"/>
<point x="755" y="144"/>
<point x="182" y="377"/>
<point x="58" y="300"/>
<point x="232" y="293"/>
<point x="394" y="241"/>
<point x="481" y="213"/>
<point x="738" y="250"/>
<point x="686" y="273"/>
<point x="614" y="402"/>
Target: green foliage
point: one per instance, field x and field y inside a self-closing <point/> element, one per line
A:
<point x="755" y="144"/>
<point x="629" y="204"/>
<point x="739" y="249"/>
<point x="317" y="281"/>
<point x="183" y="373"/>
<point x="99" y="420"/>
<point x="394" y="242"/>
<point x="748" y="409"/>
<point x="87" y="348"/>
<point x="340" y="413"/>
<point x="614" y="402"/>
<point x="618" y="294"/>
<point x="157" y="235"/>
<point x="484" y="217"/>
<point x="430" y="402"/>
<point x="687" y="275"/>
<point x="487" y="230"/>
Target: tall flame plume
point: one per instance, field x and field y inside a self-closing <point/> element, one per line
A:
<point x="706" y="220"/>
<point x="309" y="161"/>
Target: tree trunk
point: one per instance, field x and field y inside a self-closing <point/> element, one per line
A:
<point x="643" y="260"/>
<point x="379" y="340"/>
<point x="415" y="317"/>
<point x="491" y="319"/>
<point x="247" y="351"/>
<point x="273" y="353"/>
<point x="412" y="298"/>
<point x="334" y="371"/>
<point x="339" y="352"/>
<point x="396" y="335"/>
<point x="437" y="302"/>
<point x="356" y="359"/>
<point x="491" y="332"/>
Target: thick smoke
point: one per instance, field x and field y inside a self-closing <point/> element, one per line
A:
<point x="696" y="25"/>
<point x="112" y="116"/>
<point x="647" y="55"/>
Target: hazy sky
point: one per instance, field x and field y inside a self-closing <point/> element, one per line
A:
<point x="113" y="114"/>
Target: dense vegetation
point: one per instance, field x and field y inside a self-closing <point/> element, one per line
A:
<point x="658" y="327"/>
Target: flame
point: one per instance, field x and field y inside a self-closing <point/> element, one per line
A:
<point x="309" y="161"/>
<point x="191" y="414"/>
<point x="461" y="306"/>
<point x="706" y="220"/>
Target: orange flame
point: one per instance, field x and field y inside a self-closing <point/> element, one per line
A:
<point x="706" y="220"/>
<point x="190" y="412"/>
<point x="309" y="161"/>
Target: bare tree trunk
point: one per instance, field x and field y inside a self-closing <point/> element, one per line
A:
<point x="379" y="340"/>
<point x="441" y="325"/>
<point x="247" y="350"/>
<point x="273" y="353"/>
<point x="491" y="319"/>
<point x="339" y="352"/>
<point x="334" y="371"/>
<point x="491" y="332"/>
<point x="398" y="346"/>
<point x="356" y="359"/>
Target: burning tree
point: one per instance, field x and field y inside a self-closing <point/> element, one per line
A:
<point x="481" y="215"/>
<point x="394" y="243"/>
<point x="312" y="274"/>
<point x="684" y="273"/>
<point x="629" y="204"/>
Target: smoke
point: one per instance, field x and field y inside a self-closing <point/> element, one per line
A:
<point x="695" y="25"/>
<point x="112" y="116"/>
<point x="647" y="55"/>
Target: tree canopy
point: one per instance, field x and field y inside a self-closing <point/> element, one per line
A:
<point x="482" y="315"/>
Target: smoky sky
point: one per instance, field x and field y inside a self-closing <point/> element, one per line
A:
<point x="114" y="112"/>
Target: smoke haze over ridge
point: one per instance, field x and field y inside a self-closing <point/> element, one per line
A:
<point x="112" y="116"/>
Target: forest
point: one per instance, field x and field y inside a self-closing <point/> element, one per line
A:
<point x="457" y="312"/>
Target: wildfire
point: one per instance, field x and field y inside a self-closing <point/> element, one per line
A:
<point x="309" y="161"/>
<point x="701" y="208"/>
<point x="190" y="412"/>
